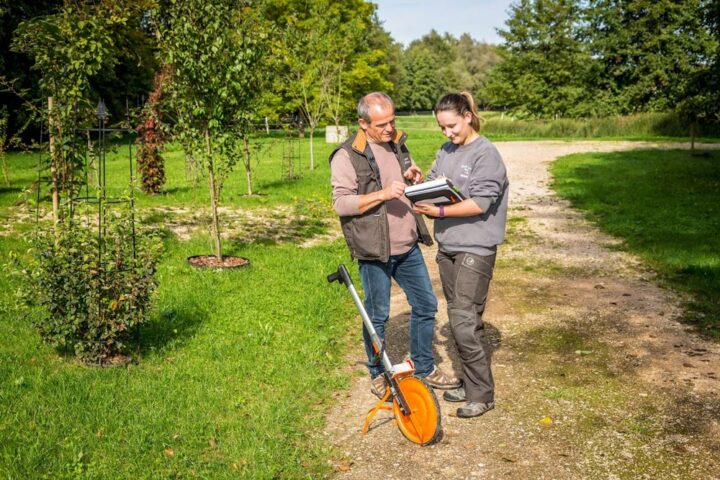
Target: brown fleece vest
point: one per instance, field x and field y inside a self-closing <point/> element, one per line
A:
<point x="367" y="234"/>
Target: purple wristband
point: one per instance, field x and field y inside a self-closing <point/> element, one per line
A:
<point x="441" y="213"/>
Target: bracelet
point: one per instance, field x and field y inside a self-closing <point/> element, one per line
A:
<point x="441" y="213"/>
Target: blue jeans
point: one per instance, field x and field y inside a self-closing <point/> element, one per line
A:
<point x="410" y="272"/>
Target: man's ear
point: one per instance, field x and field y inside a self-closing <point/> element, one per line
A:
<point x="363" y="123"/>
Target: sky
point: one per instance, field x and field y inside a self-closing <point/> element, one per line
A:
<point x="408" y="20"/>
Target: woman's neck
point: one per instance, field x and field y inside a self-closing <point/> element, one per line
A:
<point x="471" y="138"/>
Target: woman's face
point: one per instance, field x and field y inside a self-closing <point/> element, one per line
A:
<point x="455" y="127"/>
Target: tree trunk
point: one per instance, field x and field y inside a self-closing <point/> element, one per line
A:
<point x="6" y="174"/>
<point x="692" y="138"/>
<point x="53" y="161"/>
<point x="215" y="226"/>
<point x="3" y="138"/>
<point x="312" y="150"/>
<point x="248" y="164"/>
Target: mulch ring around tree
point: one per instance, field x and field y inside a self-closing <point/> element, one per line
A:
<point x="211" y="261"/>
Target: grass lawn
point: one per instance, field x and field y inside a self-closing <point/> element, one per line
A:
<point x="235" y="369"/>
<point x="665" y="205"/>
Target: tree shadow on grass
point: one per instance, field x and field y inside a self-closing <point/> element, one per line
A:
<point x="278" y="183"/>
<point x="173" y="191"/>
<point x="171" y="328"/>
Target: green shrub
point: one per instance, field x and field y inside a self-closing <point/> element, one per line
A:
<point x="91" y="293"/>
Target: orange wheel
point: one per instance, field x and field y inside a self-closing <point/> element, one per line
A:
<point x="423" y="424"/>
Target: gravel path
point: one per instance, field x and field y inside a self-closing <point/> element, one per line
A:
<point x="595" y="377"/>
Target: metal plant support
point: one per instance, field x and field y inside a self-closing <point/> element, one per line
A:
<point x="101" y="198"/>
<point x="290" y="168"/>
<point x="79" y="194"/>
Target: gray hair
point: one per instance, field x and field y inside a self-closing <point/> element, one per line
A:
<point x="374" y="98"/>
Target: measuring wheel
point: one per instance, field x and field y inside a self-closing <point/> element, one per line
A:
<point x="422" y="425"/>
<point x="414" y="404"/>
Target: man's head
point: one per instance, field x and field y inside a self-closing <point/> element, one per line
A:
<point x="376" y="116"/>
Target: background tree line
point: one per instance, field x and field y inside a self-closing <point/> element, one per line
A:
<point x="558" y="58"/>
<point x="577" y="58"/>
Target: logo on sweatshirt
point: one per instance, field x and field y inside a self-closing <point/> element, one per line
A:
<point x="465" y="171"/>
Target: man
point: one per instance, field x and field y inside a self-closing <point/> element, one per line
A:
<point x="369" y="174"/>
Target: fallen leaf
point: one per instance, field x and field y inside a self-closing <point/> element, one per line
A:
<point x="546" y="422"/>
<point x="212" y="441"/>
<point x="344" y="465"/>
<point x="509" y="460"/>
<point x="169" y="452"/>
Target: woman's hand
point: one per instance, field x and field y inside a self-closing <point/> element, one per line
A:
<point x="426" y="209"/>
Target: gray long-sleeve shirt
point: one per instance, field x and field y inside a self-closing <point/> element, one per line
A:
<point x="478" y="171"/>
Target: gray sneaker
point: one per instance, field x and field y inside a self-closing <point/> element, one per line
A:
<point x="474" y="409"/>
<point x="454" y="395"/>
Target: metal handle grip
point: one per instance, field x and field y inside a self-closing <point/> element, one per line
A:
<point x="341" y="275"/>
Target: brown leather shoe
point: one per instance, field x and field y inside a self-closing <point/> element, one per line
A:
<point x="439" y="379"/>
<point x="377" y="386"/>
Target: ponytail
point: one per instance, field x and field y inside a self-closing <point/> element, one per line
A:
<point x="460" y="103"/>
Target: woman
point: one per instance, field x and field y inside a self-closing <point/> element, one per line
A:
<point x="468" y="234"/>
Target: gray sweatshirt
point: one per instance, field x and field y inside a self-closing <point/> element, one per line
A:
<point x="478" y="171"/>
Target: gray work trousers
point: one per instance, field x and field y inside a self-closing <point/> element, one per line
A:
<point x="465" y="280"/>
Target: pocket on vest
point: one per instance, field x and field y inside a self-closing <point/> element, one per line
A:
<point x="366" y="233"/>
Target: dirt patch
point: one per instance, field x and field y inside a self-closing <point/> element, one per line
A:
<point x="595" y="376"/>
<point x="258" y="225"/>
<point x="211" y="261"/>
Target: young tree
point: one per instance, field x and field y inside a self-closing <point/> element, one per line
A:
<point x="310" y="68"/>
<point x="68" y="49"/>
<point x="216" y="49"/>
<point x="321" y="44"/>
<point x="151" y="166"/>
<point x="329" y="52"/>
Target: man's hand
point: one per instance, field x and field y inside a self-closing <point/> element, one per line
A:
<point x="414" y="174"/>
<point x="394" y="190"/>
